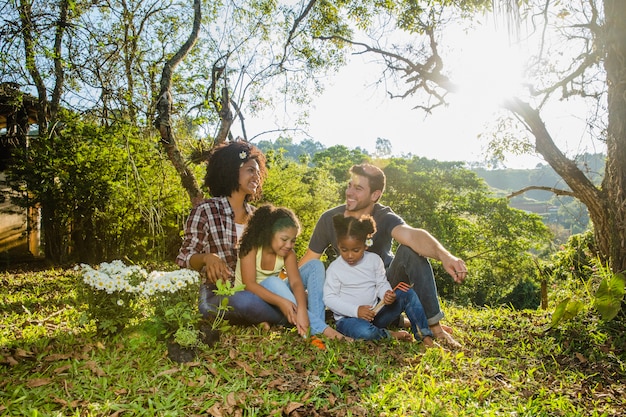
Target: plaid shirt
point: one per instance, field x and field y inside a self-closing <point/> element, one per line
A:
<point x="211" y="228"/>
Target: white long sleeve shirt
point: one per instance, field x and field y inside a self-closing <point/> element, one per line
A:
<point x="349" y="286"/>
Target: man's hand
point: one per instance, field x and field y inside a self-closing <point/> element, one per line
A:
<point x="456" y="268"/>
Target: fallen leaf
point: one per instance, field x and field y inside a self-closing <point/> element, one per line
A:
<point x="291" y="407"/>
<point x="215" y="411"/>
<point x="21" y="353"/>
<point x="38" y="382"/>
<point x="246" y="367"/>
<point x="12" y="361"/>
<point x="61" y="369"/>
<point x="93" y="367"/>
<point x="580" y="357"/>
<point x="231" y="400"/>
<point x="168" y="372"/>
<point x="213" y="371"/>
<point x="275" y="383"/>
<point x="56" y="357"/>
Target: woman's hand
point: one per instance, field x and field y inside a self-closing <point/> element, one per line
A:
<point x="366" y="313"/>
<point x="216" y="268"/>
<point x="390" y="297"/>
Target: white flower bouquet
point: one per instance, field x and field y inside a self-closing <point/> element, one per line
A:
<point x="174" y="296"/>
<point x="111" y="294"/>
<point x="114" y="292"/>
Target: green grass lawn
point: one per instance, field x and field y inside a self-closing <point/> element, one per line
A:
<point x="50" y="365"/>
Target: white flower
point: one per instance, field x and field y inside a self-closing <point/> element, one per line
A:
<point x="369" y="242"/>
<point x="120" y="302"/>
<point x="243" y="155"/>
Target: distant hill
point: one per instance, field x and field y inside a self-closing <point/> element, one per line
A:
<point x="563" y="211"/>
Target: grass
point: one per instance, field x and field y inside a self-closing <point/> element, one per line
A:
<point x="50" y="365"/>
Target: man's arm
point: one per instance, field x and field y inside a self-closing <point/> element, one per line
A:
<point x="426" y="245"/>
<point x="309" y="255"/>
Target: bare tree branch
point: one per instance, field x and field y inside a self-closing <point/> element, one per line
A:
<point x="164" y="108"/>
<point x="556" y="191"/>
<point x="292" y="32"/>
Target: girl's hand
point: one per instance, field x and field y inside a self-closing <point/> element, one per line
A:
<point x="366" y="313"/>
<point x="302" y="323"/>
<point x="216" y="268"/>
<point x="289" y="310"/>
<point x="390" y="297"/>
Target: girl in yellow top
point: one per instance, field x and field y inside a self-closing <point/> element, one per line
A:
<point x="266" y="248"/>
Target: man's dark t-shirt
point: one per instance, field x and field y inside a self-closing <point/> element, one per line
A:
<point x="386" y="220"/>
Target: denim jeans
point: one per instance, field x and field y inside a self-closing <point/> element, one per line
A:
<point x="249" y="308"/>
<point x="407" y="302"/>
<point x="408" y="266"/>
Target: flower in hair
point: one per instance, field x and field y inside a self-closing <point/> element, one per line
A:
<point x="369" y="242"/>
<point x="243" y="155"/>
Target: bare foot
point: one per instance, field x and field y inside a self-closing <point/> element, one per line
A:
<point x="444" y="337"/>
<point x="265" y="326"/>
<point x="445" y="328"/>
<point x="331" y="333"/>
<point x="403" y="335"/>
<point x="429" y="342"/>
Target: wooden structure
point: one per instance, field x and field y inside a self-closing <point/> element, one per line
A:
<point x="19" y="226"/>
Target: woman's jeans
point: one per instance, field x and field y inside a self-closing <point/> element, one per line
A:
<point x="407" y="302"/>
<point x="249" y="308"/>
<point x="407" y="266"/>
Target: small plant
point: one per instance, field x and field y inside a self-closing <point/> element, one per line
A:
<point x="174" y="296"/>
<point x="111" y="294"/>
<point x="224" y="289"/>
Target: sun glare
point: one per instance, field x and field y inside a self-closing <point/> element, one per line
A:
<point x="489" y="68"/>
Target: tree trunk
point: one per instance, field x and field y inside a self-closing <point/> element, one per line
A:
<point x="615" y="174"/>
<point x="164" y="107"/>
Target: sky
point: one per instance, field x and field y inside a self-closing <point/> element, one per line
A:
<point x="353" y="112"/>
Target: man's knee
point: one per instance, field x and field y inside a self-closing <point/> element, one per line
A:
<point x="405" y="252"/>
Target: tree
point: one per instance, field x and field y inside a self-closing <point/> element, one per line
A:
<point x="581" y="54"/>
<point x="383" y="147"/>
<point x="104" y="59"/>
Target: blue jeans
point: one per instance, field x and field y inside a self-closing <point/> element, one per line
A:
<point x="249" y="308"/>
<point x="407" y="266"/>
<point x="408" y="302"/>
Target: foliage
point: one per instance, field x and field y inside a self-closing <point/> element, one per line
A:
<point x="510" y="366"/>
<point x="582" y="280"/>
<point x="610" y="295"/>
<point x="107" y="185"/>
<point x="338" y="159"/>
<point x="224" y="289"/>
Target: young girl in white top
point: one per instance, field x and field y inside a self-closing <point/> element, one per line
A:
<point x="356" y="282"/>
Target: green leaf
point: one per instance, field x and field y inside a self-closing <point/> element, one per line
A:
<point x="609" y="296"/>
<point x="565" y="310"/>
